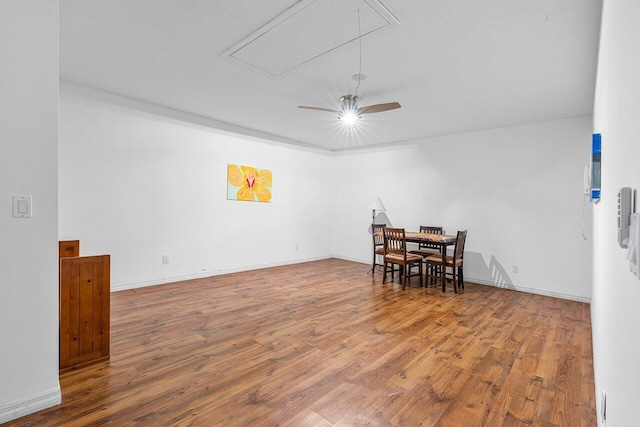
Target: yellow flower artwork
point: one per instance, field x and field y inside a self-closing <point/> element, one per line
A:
<point x="248" y="183"/>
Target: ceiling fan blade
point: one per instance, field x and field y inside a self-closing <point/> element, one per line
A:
<point x="377" y="108"/>
<point x="318" y="109"/>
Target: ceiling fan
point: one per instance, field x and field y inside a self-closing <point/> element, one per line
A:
<point x="350" y="112"/>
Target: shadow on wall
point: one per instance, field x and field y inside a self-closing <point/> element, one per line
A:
<point x="492" y="274"/>
<point x="381" y="218"/>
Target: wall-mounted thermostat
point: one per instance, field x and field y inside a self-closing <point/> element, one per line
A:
<point x="625" y="208"/>
<point x="633" y="255"/>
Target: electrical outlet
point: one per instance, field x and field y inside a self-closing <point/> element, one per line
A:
<point x="515" y="268"/>
<point x="296" y="246"/>
<point x="603" y="407"/>
<point x="165" y="259"/>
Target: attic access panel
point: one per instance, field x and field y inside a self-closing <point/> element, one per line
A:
<point x="307" y="30"/>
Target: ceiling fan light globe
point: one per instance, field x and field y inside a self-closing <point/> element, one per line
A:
<point x="349" y="118"/>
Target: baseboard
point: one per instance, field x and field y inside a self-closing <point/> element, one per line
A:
<point x="503" y="286"/>
<point x="529" y="290"/>
<point x="29" y="405"/>
<point x="358" y="260"/>
<point x="164" y="280"/>
<point x="203" y="274"/>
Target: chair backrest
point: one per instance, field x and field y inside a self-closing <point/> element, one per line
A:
<point x="458" y="250"/>
<point x="377" y="230"/>
<point x="395" y="241"/>
<point x="430" y="230"/>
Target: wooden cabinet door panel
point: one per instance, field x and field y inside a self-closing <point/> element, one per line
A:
<point x="84" y="309"/>
<point x="68" y="248"/>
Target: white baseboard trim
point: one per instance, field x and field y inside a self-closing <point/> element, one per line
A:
<point x="504" y="286"/>
<point x="358" y="260"/>
<point x="164" y="280"/>
<point x="203" y="274"/>
<point x="529" y="290"/>
<point x="29" y="405"/>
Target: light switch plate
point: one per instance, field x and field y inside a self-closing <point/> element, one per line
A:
<point x="22" y="207"/>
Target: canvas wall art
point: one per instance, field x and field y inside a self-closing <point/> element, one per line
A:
<point x="248" y="184"/>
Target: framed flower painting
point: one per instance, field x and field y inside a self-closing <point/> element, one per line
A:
<point x="248" y="184"/>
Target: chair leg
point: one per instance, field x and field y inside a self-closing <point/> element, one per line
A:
<point x="444" y="278"/>
<point x="454" y="279"/>
<point x="428" y="274"/>
<point x="404" y="276"/>
<point x="433" y="273"/>
<point x="420" y="273"/>
<point x="460" y="277"/>
<point x="384" y="273"/>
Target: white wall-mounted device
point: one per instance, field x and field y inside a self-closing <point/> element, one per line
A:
<point x="634" y="239"/>
<point x="625" y="207"/>
<point x="586" y="181"/>
<point x="22" y="206"/>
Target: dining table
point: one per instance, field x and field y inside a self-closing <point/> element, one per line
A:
<point x="440" y="240"/>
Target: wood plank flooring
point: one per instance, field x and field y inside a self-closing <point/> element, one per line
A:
<point x="325" y="344"/>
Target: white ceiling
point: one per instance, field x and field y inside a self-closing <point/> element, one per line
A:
<point x="454" y="65"/>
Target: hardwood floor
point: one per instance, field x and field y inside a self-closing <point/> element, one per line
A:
<point x="325" y="344"/>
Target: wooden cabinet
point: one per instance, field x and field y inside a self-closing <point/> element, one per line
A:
<point x="84" y="310"/>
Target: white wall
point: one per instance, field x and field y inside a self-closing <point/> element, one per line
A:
<point x="616" y="291"/>
<point x="517" y="190"/>
<point x="137" y="184"/>
<point x="28" y="247"/>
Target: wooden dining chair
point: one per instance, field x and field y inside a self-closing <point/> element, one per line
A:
<point x="377" y="231"/>
<point x="395" y="253"/>
<point x="454" y="262"/>
<point x="426" y="249"/>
